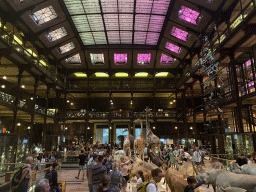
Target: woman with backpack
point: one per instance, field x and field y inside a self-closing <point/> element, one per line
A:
<point x="25" y="181"/>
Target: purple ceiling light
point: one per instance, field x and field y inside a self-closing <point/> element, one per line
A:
<point x="189" y="15"/>
<point x="180" y="34"/>
<point x="120" y="58"/>
<point x="173" y="48"/>
<point x="143" y="58"/>
<point x="166" y="60"/>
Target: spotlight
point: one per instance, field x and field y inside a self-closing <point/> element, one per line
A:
<point x="67" y="101"/>
<point x="174" y="101"/>
<point x="29" y="127"/>
<point x="176" y="127"/>
<point x="88" y="127"/>
<point x="66" y="128"/>
<point x="22" y="86"/>
<point x="171" y="102"/>
<point x="112" y="103"/>
<point x="191" y="127"/>
<point x="154" y="127"/>
<point x="71" y="103"/>
<point x="4" y="77"/>
<point x="3" y="86"/>
<point x="110" y="127"/>
<point x="31" y="98"/>
<point x="18" y="124"/>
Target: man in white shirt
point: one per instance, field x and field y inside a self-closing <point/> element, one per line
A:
<point x="157" y="175"/>
<point x="197" y="156"/>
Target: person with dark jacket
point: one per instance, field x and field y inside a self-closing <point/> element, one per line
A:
<point x="98" y="171"/>
<point x="242" y="160"/>
<point x="192" y="184"/>
<point x="55" y="185"/>
<point x="82" y="158"/>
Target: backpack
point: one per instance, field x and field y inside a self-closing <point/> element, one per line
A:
<point x="48" y="176"/>
<point x="143" y="186"/>
<point x="17" y="176"/>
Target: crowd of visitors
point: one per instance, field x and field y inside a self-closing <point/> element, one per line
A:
<point x="104" y="174"/>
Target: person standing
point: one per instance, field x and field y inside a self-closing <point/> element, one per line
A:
<point x="104" y="183"/>
<point x="82" y="158"/>
<point x="157" y="175"/>
<point x="242" y="160"/>
<point x="116" y="178"/>
<point x="89" y="171"/>
<point x="25" y="180"/>
<point x="197" y="156"/>
<point x="55" y="185"/>
<point x="172" y="159"/>
<point x="98" y="171"/>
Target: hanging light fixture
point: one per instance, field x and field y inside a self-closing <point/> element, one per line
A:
<point x="4" y="77"/>
<point x="23" y="85"/>
<point x="3" y="86"/>
<point x="18" y="124"/>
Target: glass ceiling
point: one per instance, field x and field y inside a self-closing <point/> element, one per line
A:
<point x="118" y="21"/>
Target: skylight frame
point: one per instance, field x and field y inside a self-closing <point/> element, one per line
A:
<point x="97" y="58"/>
<point x="189" y="15"/>
<point x="44" y="15"/>
<point x="143" y="58"/>
<point x="75" y="59"/>
<point x="120" y="59"/>
<point x="66" y="48"/>
<point x="56" y="34"/>
<point x="171" y="47"/>
<point x="180" y="34"/>
<point x="96" y="16"/>
<point x="166" y="60"/>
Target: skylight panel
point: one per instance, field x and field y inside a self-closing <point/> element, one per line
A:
<point x="140" y="37"/>
<point x="152" y="38"/>
<point x="87" y="38"/>
<point x="113" y="37"/>
<point x="189" y="15"/>
<point x="156" y="23"/>
<point x="126" y="21"/>
<point x="166" y="60"/>
<point x="99" y="37"/>
<point x="160" y="7"/>
<point x="74" y="6"/>
<point x="56" y="34"/>
<point x="81" y="23"/>
<point x="125" y="6"/>
<point x="75" y="59"/>
<point x="180" y="34"/>
<point x="120" y="58"/>
<point x="111" y="21"/>
<point x="66" y="48"/>
<point x="141" y="22"/>
<point x="126" y="37"/>
<point x="109" y="6"/>
<point x="173" y="48"/>
<point x="97" y="58"/>
<point x="95" y="22"/>
<point x="143" y="58"/>
<point x="44" y="15"/>
<point x="91" y="6"/>
<point x="144" y="6"/>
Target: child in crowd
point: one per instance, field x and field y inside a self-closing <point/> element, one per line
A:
<point x="192" y="184"/>
<point x="140" y="177"/>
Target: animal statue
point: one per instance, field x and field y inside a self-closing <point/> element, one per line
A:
<point x="232" y="189"/>
<point x="155" y="159"/>
<point x="122" y="138"/>
<point x="139" y="143"/>
<point x="249" y="169"/>
<point x="186" y="168"/>
<point x="138" y="166"/>
<point x="175" y="181"/>
<point x="223" y="179"/>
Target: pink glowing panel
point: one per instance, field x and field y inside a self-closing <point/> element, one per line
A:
<point x="120" y="58"/>
<point x="166" y="60"/>
<point x="160" y="7"/>
<point x="173" y="48"/>
<point x="144" y="6"/>
<point x="143" y="58"/>
<point x="180" y="34"/>
<point x="189" y="15"/>
<point x="140" y="37"/>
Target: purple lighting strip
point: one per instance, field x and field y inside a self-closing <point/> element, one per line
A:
<point x="173" y="48"/>
<point x="166" y="60"/>
<point x="143" y="58"/>
<point x="120" y="59"/>
<point x="180" y="34"/>
<point x="189" y="15"/>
